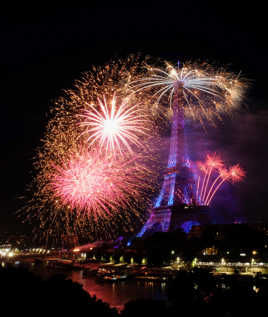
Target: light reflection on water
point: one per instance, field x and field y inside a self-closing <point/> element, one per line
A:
<point x="116" y="294"/>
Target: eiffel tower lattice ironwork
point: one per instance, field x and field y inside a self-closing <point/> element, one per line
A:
<point x="175" y="204"/>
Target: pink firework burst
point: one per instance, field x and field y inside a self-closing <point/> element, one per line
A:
<point x="95" y="186"/>
<point x="115" y="127"/>
<point x="236" y="173"/>
<point x="214" y="161"/>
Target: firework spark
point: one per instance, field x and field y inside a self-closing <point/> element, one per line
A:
<point x="203" y="92"/>
<point x="212" y="175"/>
<point x="115" y="127"/>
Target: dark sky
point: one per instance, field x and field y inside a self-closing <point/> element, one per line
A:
<point x="44" y="50"/>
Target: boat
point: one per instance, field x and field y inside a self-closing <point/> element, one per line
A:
<point x="114" y="277"/>
<point x="105" y="273"/>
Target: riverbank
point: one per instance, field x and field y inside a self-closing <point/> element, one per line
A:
<point x="196" y="286"/>
<point x="114" y="292"/>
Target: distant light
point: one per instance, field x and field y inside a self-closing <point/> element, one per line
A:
<point x="76" y="250"/>
<point x="242" y="254"/>
<point x="194" y="262"/>
<point x="144" y="261"/>
<point x="172" y="252"/>
<point x="254" y="252"/>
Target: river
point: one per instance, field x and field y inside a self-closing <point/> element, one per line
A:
<point x="116" y="294"/>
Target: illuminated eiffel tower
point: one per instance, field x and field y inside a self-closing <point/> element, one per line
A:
<point x="176" y="205"/>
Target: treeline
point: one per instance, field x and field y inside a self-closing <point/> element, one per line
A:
<point x="208" y="243"/>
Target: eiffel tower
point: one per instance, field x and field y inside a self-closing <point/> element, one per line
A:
<point x="176" y="205"/>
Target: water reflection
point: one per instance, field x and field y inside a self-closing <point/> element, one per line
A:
<point x="116" y="294"/>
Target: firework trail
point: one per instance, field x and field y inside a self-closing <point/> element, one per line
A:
<point x="212" y="163"/>
<point x="235" y="174"/>
<point x="212" y="174"/>
<point x="204" y="93"/>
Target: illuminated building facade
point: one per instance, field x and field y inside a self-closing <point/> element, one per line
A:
<point x="176" y="205"/>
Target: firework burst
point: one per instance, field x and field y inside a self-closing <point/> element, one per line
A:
<point x="203" y="92"/>
<point x="96" y="186"/>
<point x="114" y="127"/>
<point x="89" y="194"/>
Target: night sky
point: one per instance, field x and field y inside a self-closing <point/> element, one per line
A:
<point x="44" y="50"/>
